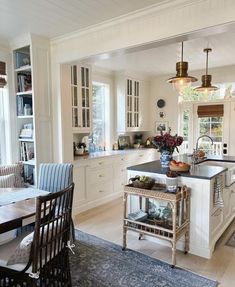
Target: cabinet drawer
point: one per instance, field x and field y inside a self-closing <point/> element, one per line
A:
<point x="97" y="175"/>
<point x="99" y="190"/>
<point x="98" y="163"/>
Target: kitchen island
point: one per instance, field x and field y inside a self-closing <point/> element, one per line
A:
<point x="208" y="220"/>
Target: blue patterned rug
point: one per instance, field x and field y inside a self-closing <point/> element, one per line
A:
<point x="99" y="263"/>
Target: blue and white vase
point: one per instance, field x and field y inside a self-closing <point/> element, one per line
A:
<point x="165" y="158"/>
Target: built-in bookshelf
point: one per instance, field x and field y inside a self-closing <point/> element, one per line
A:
<point x="24" y="111"/>
<point x="31" y="60"/>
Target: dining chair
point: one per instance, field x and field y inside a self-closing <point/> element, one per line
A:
<point x="41" y="258"/>
<point x="55" y="176"/>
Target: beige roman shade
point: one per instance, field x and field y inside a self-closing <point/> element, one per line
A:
<point x="210" y="111"/>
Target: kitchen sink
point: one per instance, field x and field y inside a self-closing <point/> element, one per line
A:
<point x="229" y="174"/>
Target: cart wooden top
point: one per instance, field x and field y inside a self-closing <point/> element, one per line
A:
<point x="160" y="194"/>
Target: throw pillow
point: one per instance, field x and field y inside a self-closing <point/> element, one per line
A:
<point x="17" y="169"/>
<point x="7" y="180"/>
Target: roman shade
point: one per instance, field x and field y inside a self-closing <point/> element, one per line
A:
<point x="210" y="111"/>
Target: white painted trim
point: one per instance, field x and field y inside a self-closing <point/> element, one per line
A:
<point x="155" y="8"/>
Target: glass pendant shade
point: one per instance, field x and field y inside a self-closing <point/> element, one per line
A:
<point x="181" y="80"/>
<point x="206" y="79"/>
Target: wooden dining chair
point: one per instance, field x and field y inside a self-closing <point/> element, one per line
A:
<point x="43" y="254"/>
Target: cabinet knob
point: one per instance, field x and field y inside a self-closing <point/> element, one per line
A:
<point x="101" y="190"/>
<point x="101" y="175"/>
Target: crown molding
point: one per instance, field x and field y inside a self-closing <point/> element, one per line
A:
<point x="144" y="12"/>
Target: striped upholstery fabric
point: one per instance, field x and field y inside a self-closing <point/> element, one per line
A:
<point x="55" y="176"/>
<point x="7" y="180"/>
<point x="17" y="169"/>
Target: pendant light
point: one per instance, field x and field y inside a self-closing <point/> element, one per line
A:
<point x="206" y="79"/>
<point x="181" y="80"/>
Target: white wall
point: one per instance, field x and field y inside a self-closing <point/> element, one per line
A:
<point x="170" y="20"/>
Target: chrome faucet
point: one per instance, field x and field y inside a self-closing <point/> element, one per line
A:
<point x="202" y="137"/>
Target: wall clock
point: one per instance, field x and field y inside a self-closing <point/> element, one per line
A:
<point x="161" y="103"/>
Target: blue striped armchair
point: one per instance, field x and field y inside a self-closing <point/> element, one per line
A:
<point x="55" y="176"/>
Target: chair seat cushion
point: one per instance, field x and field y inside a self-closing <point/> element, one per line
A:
<point x="22" y="250"/>
<point x="6" y="252"/>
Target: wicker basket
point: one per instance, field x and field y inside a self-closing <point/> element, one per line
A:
<point x="144" y="185"/>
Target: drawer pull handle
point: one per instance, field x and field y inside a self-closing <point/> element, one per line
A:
<point x="141" y="155"/>
<point x="101" y="175"/>
<point x="100" y="162"/>
<point x="101" y="190"/>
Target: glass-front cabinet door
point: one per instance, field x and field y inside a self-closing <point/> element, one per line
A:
<point x="81" y="98"/>
<point x="132" y="100"/>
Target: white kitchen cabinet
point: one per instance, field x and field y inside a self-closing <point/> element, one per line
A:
<point x="131" y="98"/>
<point x="79" y="196"/>
<point x="33" y="108"/>
<point x="81" y="94"/>
<point x="100" y="180"/>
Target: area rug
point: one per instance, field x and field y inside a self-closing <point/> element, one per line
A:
<point x="99" y="263"/>
<point x="231" y="241"/>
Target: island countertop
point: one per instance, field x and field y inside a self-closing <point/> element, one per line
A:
<point x="198" y="171"/>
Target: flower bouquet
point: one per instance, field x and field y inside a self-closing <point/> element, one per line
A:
<point x="166" y="144"/>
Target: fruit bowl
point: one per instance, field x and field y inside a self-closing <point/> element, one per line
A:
<point x="184" y="168"/>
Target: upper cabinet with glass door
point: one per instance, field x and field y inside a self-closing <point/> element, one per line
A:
<point x="132" y="97"/>
<point x="131" y="104"/>
<point x="81" y="91"/>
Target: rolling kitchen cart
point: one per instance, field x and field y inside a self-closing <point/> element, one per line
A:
<point x="171" y="230"/>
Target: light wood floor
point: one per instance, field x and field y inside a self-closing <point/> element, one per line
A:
<point x="106" y="222"/>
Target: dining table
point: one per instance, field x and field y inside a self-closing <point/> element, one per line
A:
<point x="18" y="207"/>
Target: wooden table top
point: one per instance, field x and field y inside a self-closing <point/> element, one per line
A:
<point x="17" y="214"/>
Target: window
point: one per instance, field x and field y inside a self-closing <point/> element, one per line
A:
<point x="99" y="138"/>
<point x="213" y="127"/>
<point x="197" y="119"/>
<point x="225" y="91"/>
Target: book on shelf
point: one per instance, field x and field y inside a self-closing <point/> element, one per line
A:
<point x="22" y="59"/>
<point x="24" y="82"/>
<point x="26" y="151"/>
<point x="27" y="131"/>
<point x="21" y="102"/>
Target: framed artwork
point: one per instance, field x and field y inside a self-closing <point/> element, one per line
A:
<point x="161" y="126"/>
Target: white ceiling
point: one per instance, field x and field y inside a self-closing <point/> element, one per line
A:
<point x="161" y="60"/>
<point x="52" y="18"/>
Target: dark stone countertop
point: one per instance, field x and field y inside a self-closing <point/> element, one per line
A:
<point x="198" y="171"/>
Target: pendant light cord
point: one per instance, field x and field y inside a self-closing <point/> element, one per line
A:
<point x="182" y="51"/>
<point x="207" y="61"/>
